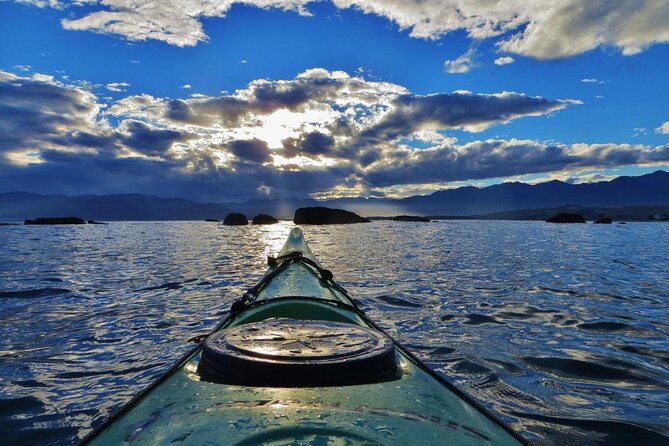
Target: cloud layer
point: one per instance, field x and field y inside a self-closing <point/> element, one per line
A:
<point x="543" y="29"/>
<point x="322" y="133"/>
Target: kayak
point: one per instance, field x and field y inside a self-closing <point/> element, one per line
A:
<point x="297" y="362"/>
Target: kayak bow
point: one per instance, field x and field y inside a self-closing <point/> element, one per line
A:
<point x="297" y="362"/>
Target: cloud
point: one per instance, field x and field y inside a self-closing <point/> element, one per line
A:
<point x="588" y="178"/>
<point x="149" y="140"/>
<point x="591" y="81"/>
<point x="664" y="128"/>
<point x="462" y="64"/>
<point x="312" y="143"/>
<point x="572" y="27"/>
<point x="500" y="158"/>
<point x="504" y="60"/>
<point x="320" y="133"/>
<point x="540" y="29"/>
<point x="186" y="86"/>
<point x="314" y="92"/>
<point x="39" y="113"/>
<point x="117" y="86"/>
<point x="252" y="150"/>
<point x="462" y="110"/>
<point x="178" y="22"/>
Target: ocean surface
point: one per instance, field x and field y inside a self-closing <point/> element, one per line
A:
<point x="561" y="330"/>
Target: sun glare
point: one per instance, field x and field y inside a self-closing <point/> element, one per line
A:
<point x="284" y="124"/>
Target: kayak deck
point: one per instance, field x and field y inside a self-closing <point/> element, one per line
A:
<point x="412" y="408"/>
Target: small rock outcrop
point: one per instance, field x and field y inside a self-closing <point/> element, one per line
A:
<point x="93" y="222"/>
<point x="566" y="218"/>
<point x="235" y="219"/>
<point x="264" y="219"/>
<point x="411" y="218"/>
<point x="213" y="220"/>
<point x="326" y="216"/>
<point x="55" y="221"/>
<point x="603" y="221"/>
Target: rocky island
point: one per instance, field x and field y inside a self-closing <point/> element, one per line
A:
<point x="326" y="216"/>
<point x="264" y="219"/>
<point x="411" y="218"/>
<point x="566" y="218"/>
<point x="55" y="221"/>
<point x="235" y="219"/>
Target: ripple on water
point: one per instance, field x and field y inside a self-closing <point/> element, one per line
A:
<point x="602" y="371"/>
<point x="561" y="333"/>
<point x="605" y="326"/>
<point x="33" y="293"/>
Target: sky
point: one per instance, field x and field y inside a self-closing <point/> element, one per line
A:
<point x="232" y="100"/>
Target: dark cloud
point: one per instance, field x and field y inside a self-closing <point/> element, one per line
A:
<point x="312" y="143"/>
<point x="369" y="156"/>
<point x="179" y="110"/>
<point x="411" y="113"/>
<point x="84" y="173"/>
<point x="260" y="97"/>
<point x="255" y="150"/>
<point x="34" y="113"/>
<point x="149" y="140"/>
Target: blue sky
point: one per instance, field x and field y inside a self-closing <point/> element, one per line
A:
<point x="229" y="103"/>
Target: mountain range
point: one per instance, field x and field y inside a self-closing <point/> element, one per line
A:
<point x="625" y="191"/>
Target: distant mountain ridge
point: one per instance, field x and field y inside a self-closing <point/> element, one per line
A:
<point x="21" y="205"/>
<point x="632" y="213"/>
<point x="645" y="190"/>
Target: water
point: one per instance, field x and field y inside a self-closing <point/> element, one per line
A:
<point x="561" y="330"/>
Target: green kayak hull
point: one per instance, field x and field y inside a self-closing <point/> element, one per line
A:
<point x="414" y="407"/>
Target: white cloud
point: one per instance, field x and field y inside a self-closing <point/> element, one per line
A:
<point x="541" y="29"/>
<point x="264" y="189"/>
<point x="186" y="86"/>
<point x="40" y="77"/>
<point x="504" y="60"/>
<point x="586" y="177"/>
<point x="664" y="128"/>
<point x="462" y="64"/>
<point x="177" y="22"/>
<point x="42" y="3"/>
<point x="569" y="27"/>
<point x="117" y="86"/>
<point x="639" y="131"/>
